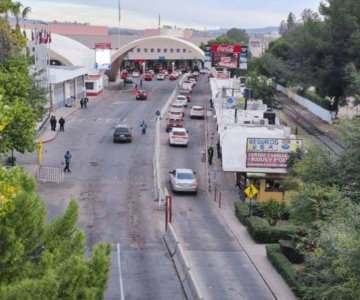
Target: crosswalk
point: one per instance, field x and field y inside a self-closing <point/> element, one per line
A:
<point x="97" y="121"/>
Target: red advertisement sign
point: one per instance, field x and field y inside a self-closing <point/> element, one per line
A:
<point x="266" y="159"/>
<point x="226" y="48"/>
<point x="106" y="45"/>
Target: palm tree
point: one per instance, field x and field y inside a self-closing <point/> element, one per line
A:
<point x="17" y="13"/>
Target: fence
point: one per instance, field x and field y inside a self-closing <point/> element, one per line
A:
<point x="50" y="174"/>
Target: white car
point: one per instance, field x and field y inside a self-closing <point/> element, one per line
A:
<point x="197" y="112"/>
<point x="177" y="106"/>
<point x="178" y="136"/>
<point x="135" y="74"/>
<point x="182" y="100"/>
<point x="183" y="180"/>
<point x="203" y="71"/>
<point x="160" y="76"/>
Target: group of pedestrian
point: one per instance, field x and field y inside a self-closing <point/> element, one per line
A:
<point x="84" y="102"/>
<point x="53" y="123"/>
<point x="211" y="152"/>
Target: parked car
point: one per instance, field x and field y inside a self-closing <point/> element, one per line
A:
<point x="195" y="73"/>
<point x="180" y="99"/>
<point x="192" y="80"/>
<point x="122" y="133"/>
<point x="203" y="71"/>
<point x="183" y="180"/>
<point x="178" y="136"/>
<point x="176" y="122"/>
<point x="197" y="112"/>
<point x="140" y="95"/>
<point x="187" y="83"/>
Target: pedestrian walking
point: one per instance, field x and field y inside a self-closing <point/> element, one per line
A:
<point x="82" y="103"/>
<point x="86" y="100"/>
<point x="218" y="148"/>
<point x="53" y="122"/>
<point x="68" y="158"/>
<point x="61" y="123"/>
<point x="210" y="154"/>
<point x="143" y="127"/>
<point x="140" y="82"/>
<point x="211" y="103"/>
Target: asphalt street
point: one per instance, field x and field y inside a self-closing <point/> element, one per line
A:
<point x="222" y="268"/>
<point x="113" y="184"/>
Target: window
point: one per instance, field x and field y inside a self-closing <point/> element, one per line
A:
<point x="165" y="50"/>
<point x="138" y="50"/>
<point x="273" y="185"/>
<point x="145" y="50"/>
<point x="158" y="50"/>
<point x="177" y="50"/>
<point x="184" y="50"/>
<point x="89" y="85"/>
<point x="171" y="50"/>
<point x="152" y="50"/>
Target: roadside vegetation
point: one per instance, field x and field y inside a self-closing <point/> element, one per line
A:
<point x="315" y="243"/>
<point x="38" y="259"/>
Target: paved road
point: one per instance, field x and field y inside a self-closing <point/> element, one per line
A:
<point x="222" y="268"/>
<point x="114" y="186"/>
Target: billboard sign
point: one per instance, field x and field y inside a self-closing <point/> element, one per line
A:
<point x="207" y="56"/>
<point x="272" y="145"/>
<point x="103" y="56"/>
<point x="225" y="56"/>
<point x="270" y="152"/>
<point x="266" y="160"/>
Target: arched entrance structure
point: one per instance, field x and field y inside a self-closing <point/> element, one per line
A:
<point x="153" y="48"/>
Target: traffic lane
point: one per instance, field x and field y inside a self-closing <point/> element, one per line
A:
<point x="115" y="194"/>
<point x="203" y="231"/>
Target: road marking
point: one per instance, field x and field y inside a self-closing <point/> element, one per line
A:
<point x="120" y="274"/>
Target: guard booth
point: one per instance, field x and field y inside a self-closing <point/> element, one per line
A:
<point x="267" y="186"/>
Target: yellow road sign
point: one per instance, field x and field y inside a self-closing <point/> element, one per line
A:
<point x="251" y="191"/>
<point x="40" y="150"/>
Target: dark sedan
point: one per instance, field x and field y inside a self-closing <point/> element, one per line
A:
<point x="122" y="133"/>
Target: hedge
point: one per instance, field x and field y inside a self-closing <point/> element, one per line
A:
<point x="242" y="211"/>
<point x="285" y="268"/>
<point x="262" y="232"/>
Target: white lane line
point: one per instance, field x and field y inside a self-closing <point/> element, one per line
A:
<point x="120" y="274"/>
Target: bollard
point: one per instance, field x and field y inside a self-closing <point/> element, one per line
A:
<point x="215" y="195"/>
<point x="219" y="199"/>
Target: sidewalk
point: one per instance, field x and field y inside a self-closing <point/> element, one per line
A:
<point x="46" y="134"/>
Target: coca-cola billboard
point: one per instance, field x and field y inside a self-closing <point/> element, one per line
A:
<point x="225" y="48"/>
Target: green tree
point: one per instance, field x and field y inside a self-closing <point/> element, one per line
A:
<point x="238" y="35"/>
<point x="19" y="134"/>
<point x="273" y="210"/>
<point x="46" y="261"/>
<point x="263" y="89"/>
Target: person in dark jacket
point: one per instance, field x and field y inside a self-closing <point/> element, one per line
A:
<point x="210" y="154"/>
<point x="61" y="123"/>
<point x="53" y="123"/>
<point x="68" y="158"/>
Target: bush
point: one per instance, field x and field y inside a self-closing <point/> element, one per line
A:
<point x="284" y="267"/>
<point x="289" y="250"/>
<point x="273" y="210"/>
<point x="242" y="211"/>
<point x="262" y="232"/>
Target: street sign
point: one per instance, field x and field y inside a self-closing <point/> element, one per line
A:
<point x="251" y="191"/>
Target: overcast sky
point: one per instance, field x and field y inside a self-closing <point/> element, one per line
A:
<point x="199" y="14"/>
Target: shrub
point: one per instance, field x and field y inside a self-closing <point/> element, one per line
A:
<point x="262" y="232"/>
<point x="273" y="210"/>
<point x="242" y="211"/>
<point x="289" y="250"/>
<point x="284" y="267"/>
